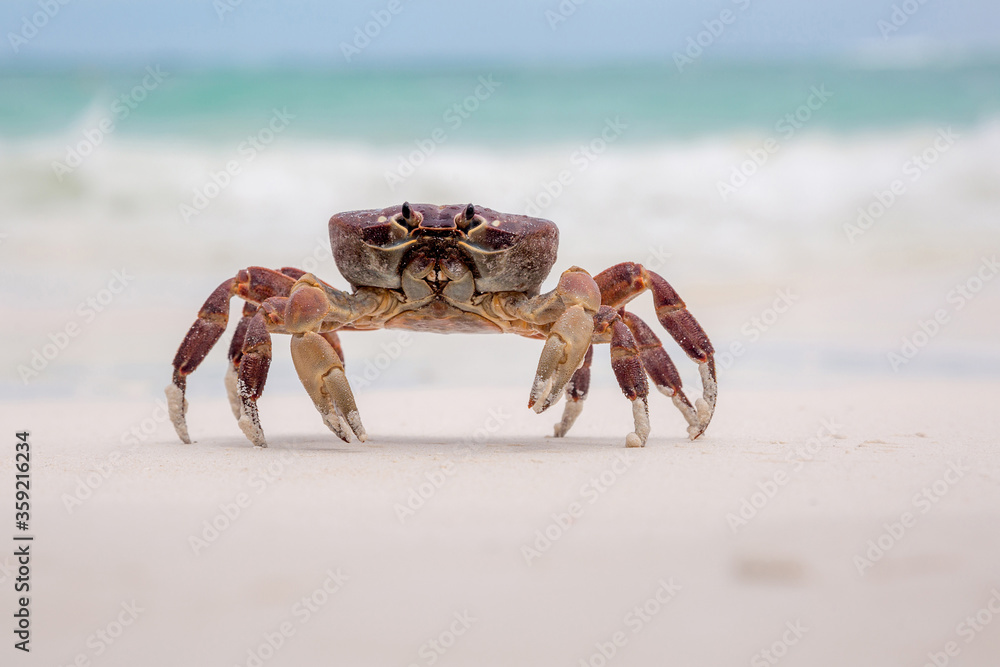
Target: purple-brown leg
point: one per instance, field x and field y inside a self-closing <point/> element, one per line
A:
<point x="311" y="352"/>
<point x="625" y="362"/>
<point x="578" y="322"/>
<point x="236" y="345"/>
<point x="334" y="340"/>
<point x="627" y="366"/>
<point x="254" y="364"/>
<point x="622" y="283"/>
<point x="255" y="285"/>
<point x="659" y="366"/>
<point x="236" y="354"/>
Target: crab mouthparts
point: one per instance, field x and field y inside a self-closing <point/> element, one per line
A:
<point x="437" y="225"/>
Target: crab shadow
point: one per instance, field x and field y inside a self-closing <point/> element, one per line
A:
<point x="432" y="446"/>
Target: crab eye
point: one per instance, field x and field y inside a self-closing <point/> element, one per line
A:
<point x="468" y="219"/>
<point x="406" y="216"/>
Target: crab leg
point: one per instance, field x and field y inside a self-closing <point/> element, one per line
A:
<point x="627" y="364"/>
<point x="632" y="380"/>
<point x="236" y="354"/>
<point x="622" y="283"/>
<point x="203" y="334"/>
<point x="565" y="348"/>
<point x="254" y="284"/>
<point x="321" y="370"/>
<point x="309" y="349"/>
<point x="318" y="357"/>
<point x="236" y="345"/>
<point x="576" y="394"/>
<point x="660" y="367"/>
<point x="569" y="337"/>
<point x="255" y="361"/>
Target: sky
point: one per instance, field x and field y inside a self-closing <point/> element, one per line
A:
<point x="260" y="33"/>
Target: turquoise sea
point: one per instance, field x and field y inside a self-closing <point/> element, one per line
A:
<point x="527" y="106"/>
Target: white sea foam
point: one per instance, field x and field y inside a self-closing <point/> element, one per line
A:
<point x="629" y="203"/>
<point x="658" y="204"/>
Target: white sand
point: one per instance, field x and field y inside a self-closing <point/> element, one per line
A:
<point x="326" y="506"/>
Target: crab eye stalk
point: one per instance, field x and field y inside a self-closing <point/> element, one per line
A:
<point x="468" y="219"/>
<point x="406" y="217"/>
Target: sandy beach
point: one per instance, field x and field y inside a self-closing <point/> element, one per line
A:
<point x="467" y="537"/>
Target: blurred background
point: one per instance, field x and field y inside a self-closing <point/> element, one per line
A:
<point x="819" y="181"/>
<point x="816" y="182"/>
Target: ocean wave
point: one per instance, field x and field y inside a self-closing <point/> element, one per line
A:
<point x="870" y="231"/>
<point x="744" y="204"/>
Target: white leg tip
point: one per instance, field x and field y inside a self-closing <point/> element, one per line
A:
<point x="252" y="431"/>
<point x="354" y="420"/>
<point x="232" y="390"/>
<point x="177" y="407"/>
<point x="336" y="424"/>
<point x="570" y="413"/>
<point x="640" y="415"/>
<point x="345" y="430"/>
<point x="540" y="394"/>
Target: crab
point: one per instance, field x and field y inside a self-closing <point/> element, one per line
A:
<point x="447" y="269"/>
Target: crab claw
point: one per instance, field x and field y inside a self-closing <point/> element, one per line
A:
<point x="322" y="374"/>
<point x="177" y="406"/>
<point x="564" y="351"/>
